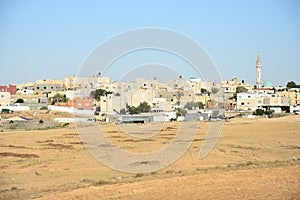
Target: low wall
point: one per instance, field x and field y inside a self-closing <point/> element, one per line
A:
<point x="15" y="108"/>
<point x="71" y="110"/>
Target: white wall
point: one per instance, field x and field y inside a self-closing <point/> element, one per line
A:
<point x="70" y="110"/>
<point x="15" y="108"/>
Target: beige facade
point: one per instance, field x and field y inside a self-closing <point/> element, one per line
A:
<point x="230" y="86"/>
<point x="106" y="103"/>
<point x="4" y="98"/>
<point x="294" y="96"/>
<point x="252" y="101"/>
<point x="49" y="82"/>
<point x="69" y="82"/>
<point x="28" y="98"/>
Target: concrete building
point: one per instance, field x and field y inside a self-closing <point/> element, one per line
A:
<point x="293" y="95"/>
<point x="4" y="98"/>
<point x="12" y="89"/>
<point x="45" y="87"/>
<point x="253" y="101"/>
<point x="106" y="104"/>
<point x="81" y="103"/>
<point x="229" y="87"/>
<point x="250" y="101"/>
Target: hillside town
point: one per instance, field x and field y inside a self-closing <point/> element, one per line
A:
<point x="143" y="100"/>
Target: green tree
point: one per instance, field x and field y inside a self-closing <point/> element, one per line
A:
<point x="179" y="94"/>
<point x="215" y="90"/>
<point x="180" y="112"/>
<point x="190" y="105"/>
<point x="44" y="108"/>
<point x="291" y="84"/>
<point x="203" y="91"/>
<point x="132" y="110"/>
<point x="20" y="101"/>
<point x="61" y="98"/>
<point x="96" y="94"/>
<point x="258" y="112"/>
<point x="240" y="89"/>
<point x="144" y="107"/>
<point x="123" y="111"/>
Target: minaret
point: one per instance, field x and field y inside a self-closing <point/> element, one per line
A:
<point x="258" y="71"/>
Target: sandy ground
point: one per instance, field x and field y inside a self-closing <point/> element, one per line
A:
<point x="253" y="159"/>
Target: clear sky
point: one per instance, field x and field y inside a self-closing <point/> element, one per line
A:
<point x="51" y="39"/>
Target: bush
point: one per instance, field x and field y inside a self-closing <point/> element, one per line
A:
<point x="258" y="112"/>
<point x="44" y="108"/>
<point x="20" y="101"/>
<point x="123" y="111"/>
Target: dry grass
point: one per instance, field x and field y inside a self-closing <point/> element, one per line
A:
<point x="248" y="152"/>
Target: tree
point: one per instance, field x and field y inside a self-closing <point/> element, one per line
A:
<point x="240" y="89"/>
<point x="44" y="108"/>
<point x="96" y="94"/>
<point x="258" y="112"/>
<point x="20" y="101"/>
<point x="291" y="84"/>
<point x="203" y="91"/>
<point x="132" y="110"/>
<point x="144" y="107"/>
<point x="179" y="94"/>
<point x="123" y="111"/>
<point x="61" y="98"/>
<point x="180" y="112"/>
<point x="190" y="105"/>
<point x="214" y="90"/>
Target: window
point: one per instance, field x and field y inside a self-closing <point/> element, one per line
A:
<point x="45" y="88"/>
<point x="2" y="96"/>
<point x="37" y="88"/>
<point x="242" y="103"/>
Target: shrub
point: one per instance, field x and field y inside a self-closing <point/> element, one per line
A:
<point x="258" y="112"/>
<point x="20" y="101"/>
<point x="44" y="108"/>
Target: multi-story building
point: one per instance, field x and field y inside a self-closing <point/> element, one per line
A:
<point x="106" y="103"/>
<point x="253" y="101"/>
<point x="292" y="94"/>
<point x="81" y="103"/>
<point x="229" y="87"/>
<point x="12" y="89"/>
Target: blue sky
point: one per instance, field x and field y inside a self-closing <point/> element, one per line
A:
<point x="51" y="39"/>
